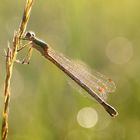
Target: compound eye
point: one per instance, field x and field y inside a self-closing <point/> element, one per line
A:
<point x="32" y="34"/>
<point x="28" y="35"/>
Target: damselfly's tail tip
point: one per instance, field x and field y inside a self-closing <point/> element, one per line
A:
<point x="112" y="111"/>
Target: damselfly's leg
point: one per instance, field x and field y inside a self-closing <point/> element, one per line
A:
<point x="27" y="58"/>
<point x="24" y="46"/>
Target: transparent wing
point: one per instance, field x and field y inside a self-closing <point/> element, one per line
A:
<point x="95" y="81"/>
<point x="99" y="83"/>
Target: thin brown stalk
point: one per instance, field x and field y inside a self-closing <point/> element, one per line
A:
<point x="10" y="59"/>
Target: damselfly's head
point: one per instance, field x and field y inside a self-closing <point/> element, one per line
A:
<point x="29" y="36"/>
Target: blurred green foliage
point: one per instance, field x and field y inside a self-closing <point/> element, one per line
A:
<point x="43" y="105"/>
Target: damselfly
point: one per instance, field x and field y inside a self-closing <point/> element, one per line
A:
<point x="96" y="85"/>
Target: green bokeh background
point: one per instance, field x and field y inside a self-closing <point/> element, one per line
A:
<point x="43" y="105"/>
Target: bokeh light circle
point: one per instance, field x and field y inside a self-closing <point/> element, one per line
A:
<point x="119" y="50"/>
<point x="87" y="117"/>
